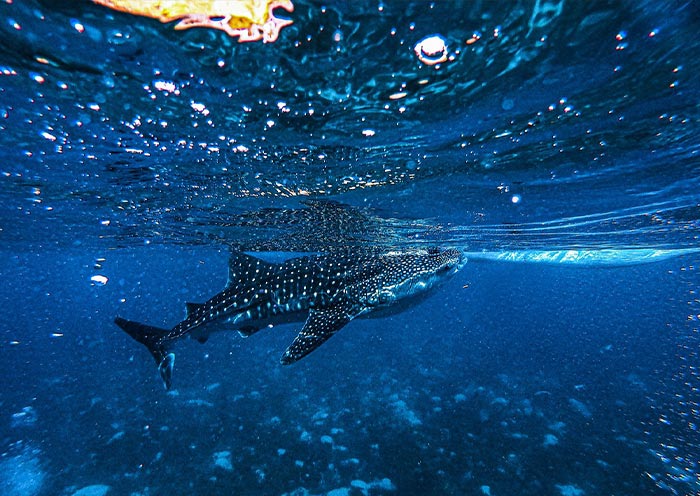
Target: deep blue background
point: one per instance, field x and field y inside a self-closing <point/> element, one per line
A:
<point x="535" y="335"/>
<point x="566" y="126"/>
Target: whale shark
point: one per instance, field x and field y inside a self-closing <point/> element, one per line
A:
<point x="325" y="291"/>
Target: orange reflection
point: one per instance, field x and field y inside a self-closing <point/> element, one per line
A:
<point x="250" y="20"/>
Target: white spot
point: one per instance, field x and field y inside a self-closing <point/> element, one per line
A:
<point x="167" y="86"/>
<point x="99" y="280"/>
<point x="431" y="50"/>
<point x="77" y="25"/>
<point x="199" y="107"/>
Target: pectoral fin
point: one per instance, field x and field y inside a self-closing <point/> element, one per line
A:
<point x="320" y="325"/>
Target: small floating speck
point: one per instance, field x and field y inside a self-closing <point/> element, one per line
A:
<point x="166" y="86"/>
<point x="476" y="36"/>
<point x="397" y="96"/>
<point x="99" y="280"/>
<point x="368" y="132"/>
<point x="56" y="334"/>
<point x="199" y="107"/>
<point x="77" y="25"/>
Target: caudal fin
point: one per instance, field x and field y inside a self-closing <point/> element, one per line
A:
<point x="153" y="339"/>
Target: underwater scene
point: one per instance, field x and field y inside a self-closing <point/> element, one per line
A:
<point x="368" y="248"/>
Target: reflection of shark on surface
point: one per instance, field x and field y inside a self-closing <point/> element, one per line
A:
<point x="327" y="291"/>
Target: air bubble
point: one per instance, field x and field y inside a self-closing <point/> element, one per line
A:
<point x="432" y="49"/>
<point x="99" y="280"/>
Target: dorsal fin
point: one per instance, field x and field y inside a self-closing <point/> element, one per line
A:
<point x="244" y="270"/>
<point x="193" y="307"/>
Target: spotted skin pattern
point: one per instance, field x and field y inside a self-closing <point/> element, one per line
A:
<point x="327" y="291"/>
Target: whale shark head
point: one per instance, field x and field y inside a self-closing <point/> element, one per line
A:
<point x="410" y="273"/>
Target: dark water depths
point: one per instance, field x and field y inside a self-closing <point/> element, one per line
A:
<point x="559" y="150"/>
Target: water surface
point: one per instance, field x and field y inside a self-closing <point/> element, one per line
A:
<point x="557" y="146"/>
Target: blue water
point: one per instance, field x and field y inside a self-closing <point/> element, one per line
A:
<point x="559" y="151"/>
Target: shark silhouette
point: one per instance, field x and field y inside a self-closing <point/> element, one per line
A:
<point x="325" y="291"/>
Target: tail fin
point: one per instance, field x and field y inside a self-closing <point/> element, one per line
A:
<point x="152" y="338"/>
